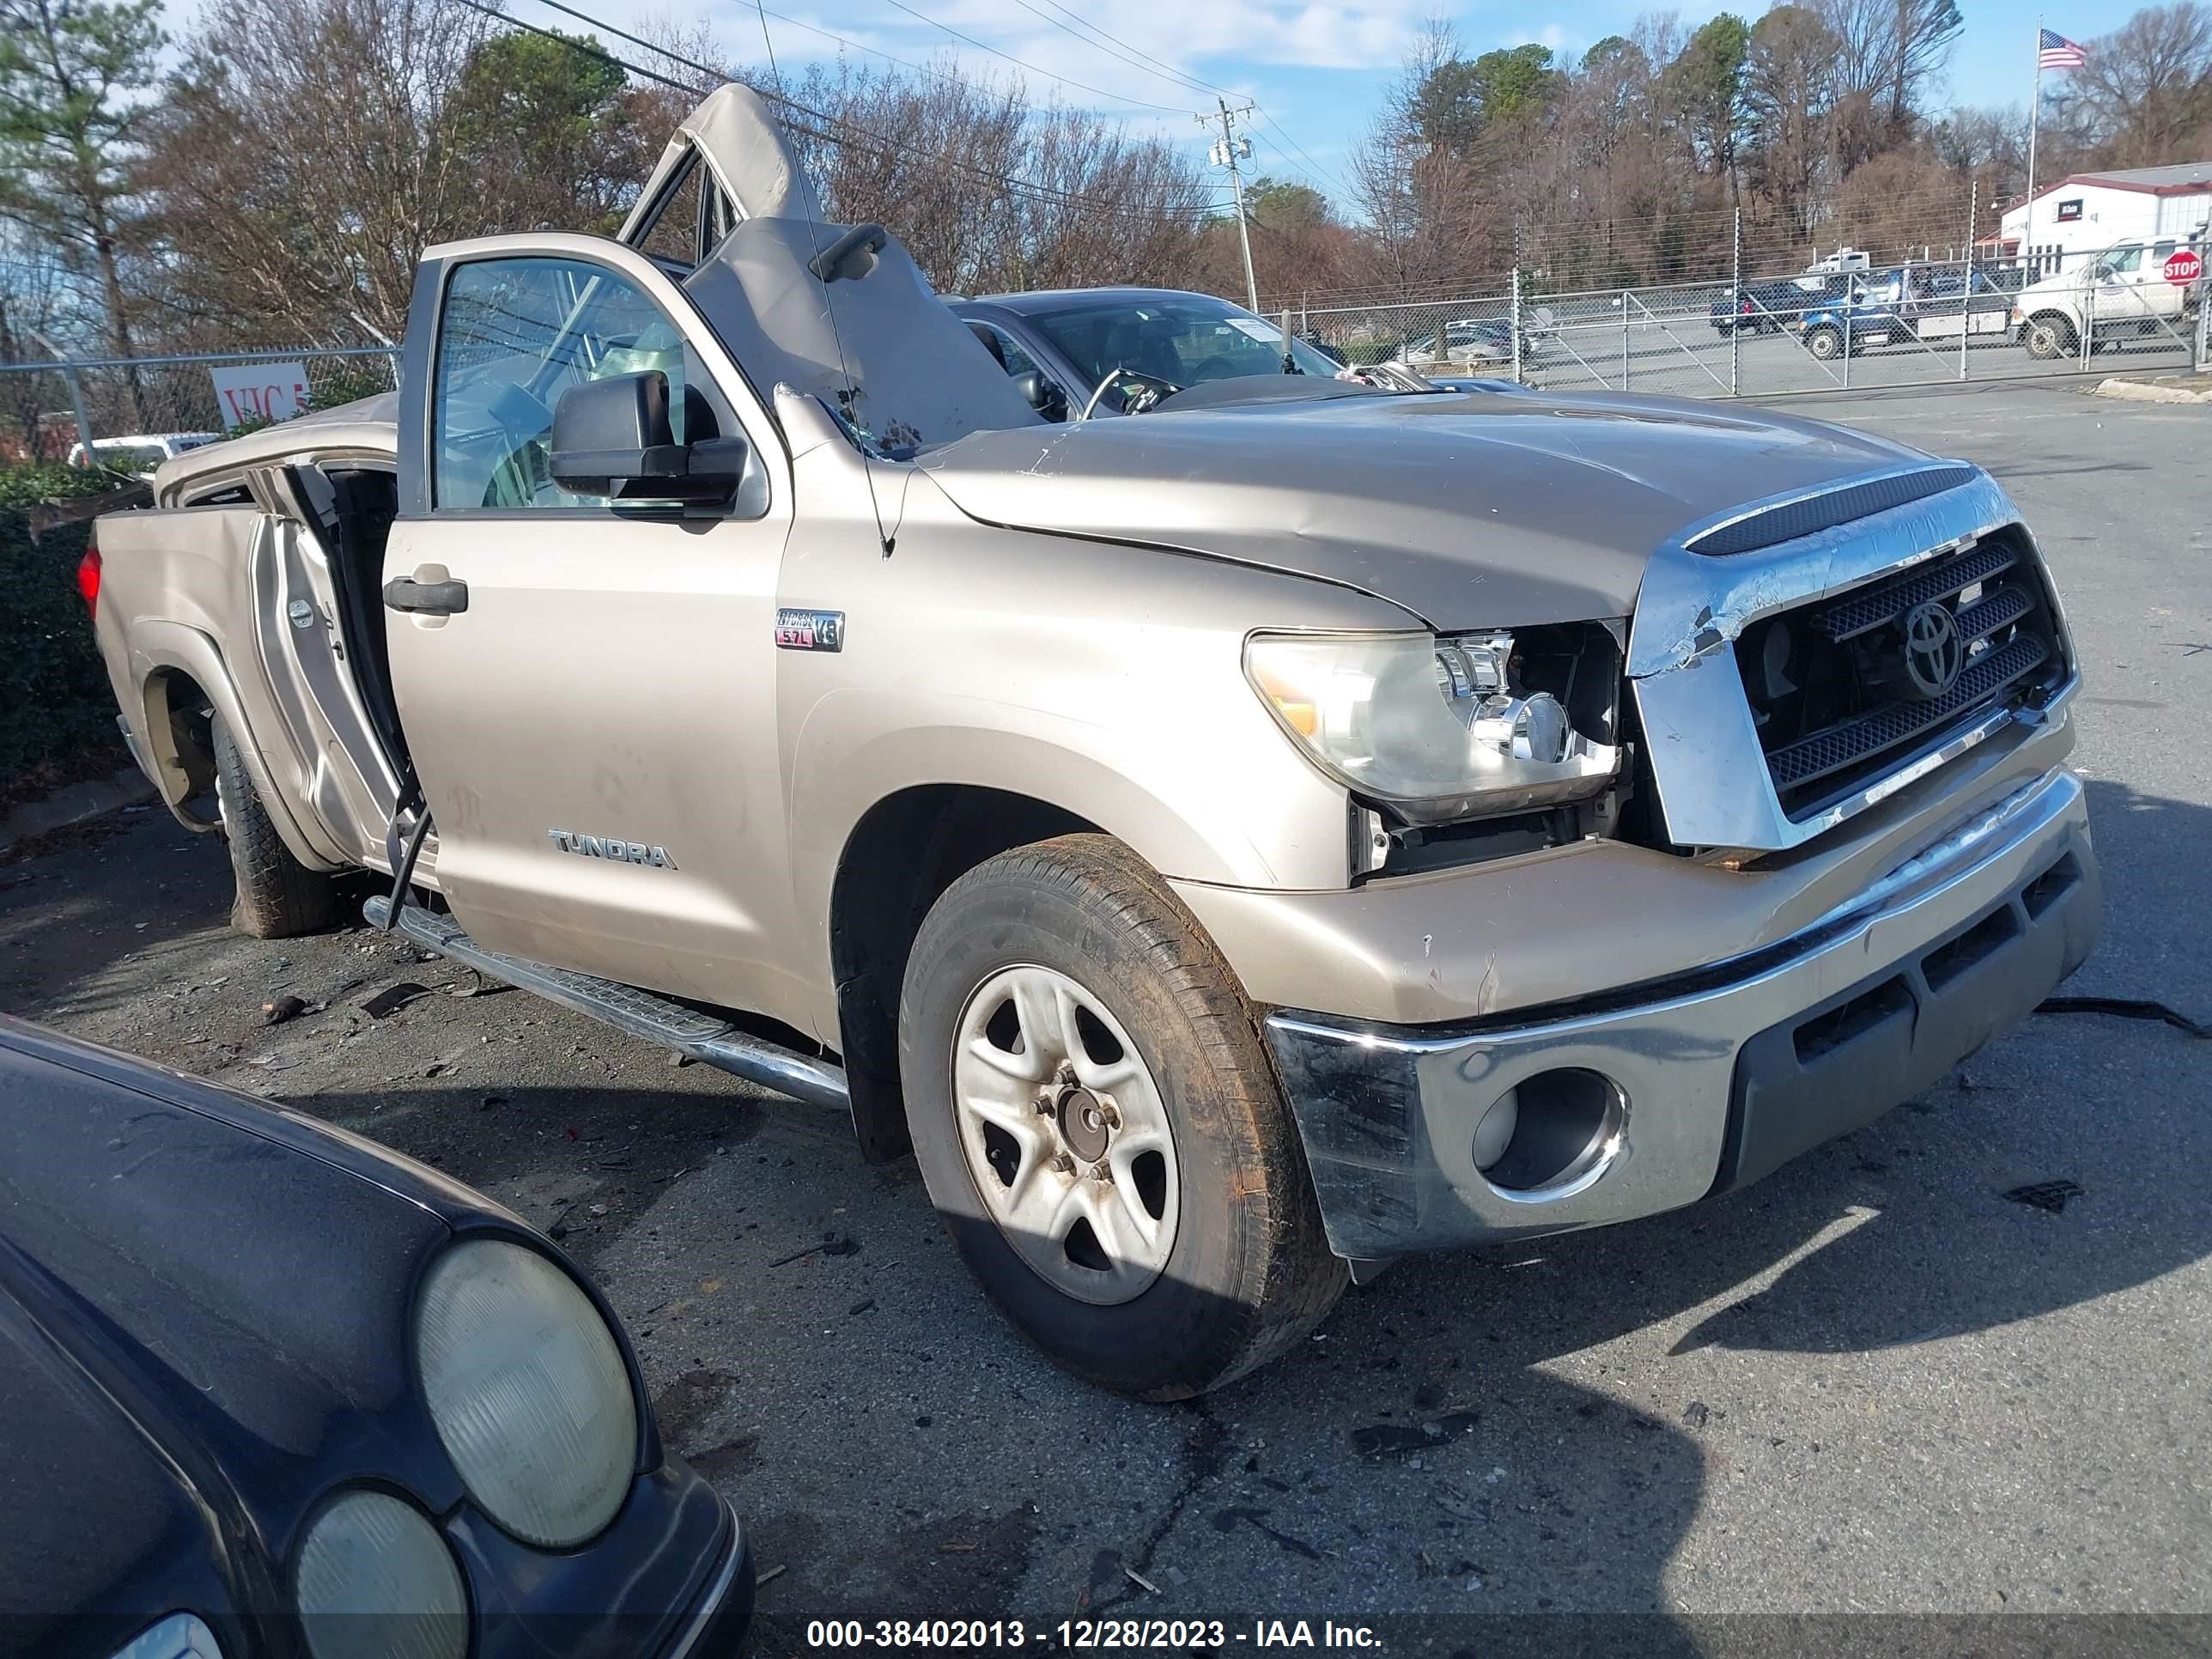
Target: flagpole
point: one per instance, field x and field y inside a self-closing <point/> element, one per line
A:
<point x="2034" y="120"/>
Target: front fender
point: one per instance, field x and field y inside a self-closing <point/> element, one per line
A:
<point x="1144" y="790"/>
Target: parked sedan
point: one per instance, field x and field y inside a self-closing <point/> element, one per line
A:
<point x="266" y="1390"/>
<point x="1117" y="350"/>
<point x="1465" y="341"/>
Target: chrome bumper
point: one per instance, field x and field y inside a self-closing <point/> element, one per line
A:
<point x="1710" y="1079"/>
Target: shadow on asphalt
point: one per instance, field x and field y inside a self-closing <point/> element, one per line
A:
<point x="1900" y="1234"/>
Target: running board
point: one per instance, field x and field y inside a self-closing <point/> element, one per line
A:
<point x="708" y="1038"/>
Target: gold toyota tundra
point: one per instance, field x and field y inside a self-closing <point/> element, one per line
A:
<point x="1247" y="830"/>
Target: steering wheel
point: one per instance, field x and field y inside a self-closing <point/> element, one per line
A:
<point x="1140" y="391"/>
<point x="1214" y="368"/>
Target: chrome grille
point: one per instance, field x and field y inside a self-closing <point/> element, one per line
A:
<point x="1832" y="696"/>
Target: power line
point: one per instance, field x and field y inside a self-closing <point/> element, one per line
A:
<point x="1107" y="44"/>
<point x="1132" y="103"/>
<point x="906" y="64"/>
<point x="774" y="73"/>
<point x="884" y="148"/>
<point x="1276" y="127"/>
<point x="1138" y="57"/>
<point x="1313" y="169"/>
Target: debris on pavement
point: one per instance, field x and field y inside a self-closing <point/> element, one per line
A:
<point x="2124" y="1008"/>
<point x="1697" y="1414"/>
<point x="1139" y="1580"/>
<point x="1381" y="1440"/>
<point x="392" y="997"/>
<point x="279" y="1010"/>
<point x="831" y="1244"/>
<point x="2051" y="1195"/>
<point x="1226" y="1521"/>
<point x="775" y="1572"/>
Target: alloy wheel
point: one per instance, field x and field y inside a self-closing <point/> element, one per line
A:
<point x="1065" y="1135"/>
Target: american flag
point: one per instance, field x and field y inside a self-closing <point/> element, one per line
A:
<point x="2055" y="51"/>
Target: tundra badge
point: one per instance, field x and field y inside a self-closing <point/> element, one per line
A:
<point x="612" y="846"/>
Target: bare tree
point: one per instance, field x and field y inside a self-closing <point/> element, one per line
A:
<point x="1789" y="96"/>
<point x="295" y="198"/>
<point x="33" y="295"/>
<point x="2145" y="95"/>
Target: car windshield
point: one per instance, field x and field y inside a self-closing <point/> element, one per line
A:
<point x="130" y="458"/>
<point x="1184" y="340"/>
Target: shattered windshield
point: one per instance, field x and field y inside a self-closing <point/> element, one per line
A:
<point x="1183" y="340"/>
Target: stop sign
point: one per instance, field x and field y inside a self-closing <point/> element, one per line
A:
<point x="2184" y="267"/>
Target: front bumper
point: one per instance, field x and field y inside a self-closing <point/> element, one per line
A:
<point x="1651" y="1097"/>
<point x="671" y="1577"/>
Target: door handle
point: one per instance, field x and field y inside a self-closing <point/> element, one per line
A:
<point x="426" y="598"/>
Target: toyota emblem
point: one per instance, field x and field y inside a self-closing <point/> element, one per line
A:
<point x="1933" y="652"/>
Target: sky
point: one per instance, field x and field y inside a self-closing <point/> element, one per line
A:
<point x="1317" y="70"/>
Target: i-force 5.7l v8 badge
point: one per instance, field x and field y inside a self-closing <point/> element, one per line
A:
<point x="810" y="630"/>
<point x="612" y="846"/>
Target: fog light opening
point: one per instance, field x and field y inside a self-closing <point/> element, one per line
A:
<point x="1552" y="1133"/>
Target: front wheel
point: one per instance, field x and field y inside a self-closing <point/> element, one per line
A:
<point x="1824" y="343"/>
<point x="1100" y="1127"/>
<point x="2047" y="338"/>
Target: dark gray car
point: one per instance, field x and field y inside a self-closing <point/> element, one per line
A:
<point x="1063" y="345"/>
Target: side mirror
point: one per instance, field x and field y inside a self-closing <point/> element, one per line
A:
<point x="851" y="256"/>
<point x="612" y="437"/>
<point x="1042" y="394"/>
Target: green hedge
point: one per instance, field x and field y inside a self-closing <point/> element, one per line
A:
<point x="57" y="713"/>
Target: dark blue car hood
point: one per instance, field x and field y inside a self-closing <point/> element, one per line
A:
<point x="91" y="1504"/>
<point x="176" y="1386"/>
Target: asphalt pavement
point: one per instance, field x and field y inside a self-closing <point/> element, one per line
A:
<point x="1872" y="1383"/>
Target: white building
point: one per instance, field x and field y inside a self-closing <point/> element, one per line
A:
<point x="2085" y="213"/>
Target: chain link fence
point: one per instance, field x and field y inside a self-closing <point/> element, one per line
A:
<point x="46" y="405"/>
<point x="1914" y="322"/>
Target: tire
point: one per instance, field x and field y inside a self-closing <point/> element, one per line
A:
<point x="278" y="896"/>
<point x="1824" y="343"/>
<point x="1244" y="1270"/>
<point x="2048" y="336"/>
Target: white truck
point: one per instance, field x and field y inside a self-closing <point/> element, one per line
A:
<point x="2130" y="290"/>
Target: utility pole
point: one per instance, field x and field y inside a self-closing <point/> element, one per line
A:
<point x="1230" y="150"/>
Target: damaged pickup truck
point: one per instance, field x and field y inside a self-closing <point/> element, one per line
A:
<point x="1233" y="847"/>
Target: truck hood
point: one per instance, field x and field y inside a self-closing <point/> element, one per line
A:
<point x="1490" y="508"/>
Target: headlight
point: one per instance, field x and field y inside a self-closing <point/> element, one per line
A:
<point x="375" y="1580"/>
<point x="528" y="1390"/>
<point x="1435" y="729"/>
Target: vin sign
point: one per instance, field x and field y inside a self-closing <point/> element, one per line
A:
<point x="260" y="392"/>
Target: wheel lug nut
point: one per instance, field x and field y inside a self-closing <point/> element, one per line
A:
<point x="1113" y="1118"/>
<point x="1099" y="1172"/>
<point x="1062" y="1164"/>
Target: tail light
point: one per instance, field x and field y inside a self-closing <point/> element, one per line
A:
<point x="88" y="577"/>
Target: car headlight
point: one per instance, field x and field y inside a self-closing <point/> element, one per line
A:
<point x="375" y="1580"/>
<point x="528" y="1390"/>
<point x="1444" y="729"/>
